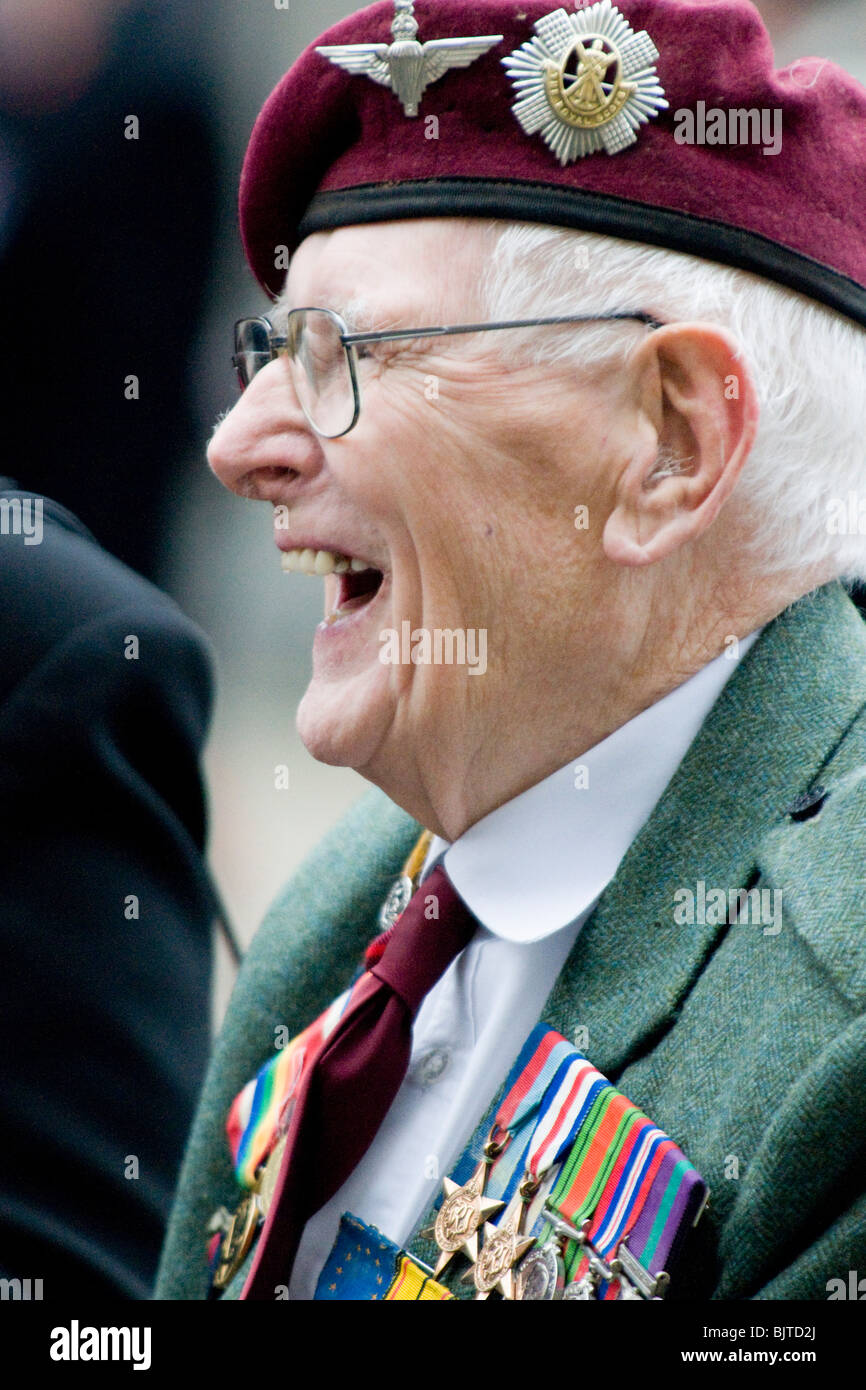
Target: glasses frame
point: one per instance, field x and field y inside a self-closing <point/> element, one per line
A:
<point x="278" y="346"/>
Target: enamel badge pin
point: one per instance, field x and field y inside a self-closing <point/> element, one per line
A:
<point x="407" y="66"/>
<point x="586" y="82"/>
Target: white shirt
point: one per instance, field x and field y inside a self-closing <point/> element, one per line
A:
<point x="531" y="872"/>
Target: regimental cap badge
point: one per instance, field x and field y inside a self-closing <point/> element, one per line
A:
<point x="587" y="81"/>
<point x="407" y="66"/>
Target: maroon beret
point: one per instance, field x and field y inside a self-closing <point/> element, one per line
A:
<point x="662" y="121"/>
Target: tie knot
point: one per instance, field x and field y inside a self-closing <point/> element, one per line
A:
<point x="429" y="934"/>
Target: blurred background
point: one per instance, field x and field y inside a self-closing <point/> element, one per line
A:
<point x="123" y="125"/>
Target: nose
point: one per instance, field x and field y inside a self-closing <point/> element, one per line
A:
<point x="265" y="443"/>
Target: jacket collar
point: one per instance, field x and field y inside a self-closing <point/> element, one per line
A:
<point x="633" y="965"/>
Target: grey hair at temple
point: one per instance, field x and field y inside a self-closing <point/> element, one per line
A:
<point x="808" y="363"/>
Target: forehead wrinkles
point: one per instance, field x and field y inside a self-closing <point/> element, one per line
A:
<point x="408" y="278"/>
<point x="360" y="313"/>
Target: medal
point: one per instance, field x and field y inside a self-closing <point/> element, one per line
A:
<point x="270" y="1173"/>
<point x="503" y="1246"/>
<point x="603" y="1153"/>
<point x="624" y="1195"/>
<point x="634" y="1281"/>
<point x="560" y="1111"/>
<point x="404" y="885"/>
<point x="259" y="1116"/>
<point x="540" y="1275"/>
<point x="465" y="1209"/>
<point x="240" y="1229"/>
<point x="396" y="902"/>
<point x="237" y="1241"/>
<point x="585" y="1290"/>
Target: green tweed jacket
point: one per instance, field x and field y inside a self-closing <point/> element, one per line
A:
<point x="745" y="1041"/>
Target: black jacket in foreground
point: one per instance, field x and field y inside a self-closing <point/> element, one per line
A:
<point x="105" y="907"/>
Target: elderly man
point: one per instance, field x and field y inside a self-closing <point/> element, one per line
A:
<point x="560" y="395"/>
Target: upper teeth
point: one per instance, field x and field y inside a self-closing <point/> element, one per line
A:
<point x="320" y="562"/>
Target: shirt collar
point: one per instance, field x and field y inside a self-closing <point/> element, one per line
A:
<point x="539" y="861"/>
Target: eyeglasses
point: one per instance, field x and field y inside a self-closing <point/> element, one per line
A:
<point x="322" y="356"/>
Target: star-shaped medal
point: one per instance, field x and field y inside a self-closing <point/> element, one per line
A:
<point x="503" y="1247"/>
<point x="460" y="1216"/>
<point x="407" y="66"/>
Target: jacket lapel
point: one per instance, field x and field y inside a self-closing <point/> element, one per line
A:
<point x="763" y="744"/>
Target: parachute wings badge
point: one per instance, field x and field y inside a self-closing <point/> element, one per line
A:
<point x="407" y="66"/>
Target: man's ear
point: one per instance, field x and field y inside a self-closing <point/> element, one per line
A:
<point x="698" y="416"/>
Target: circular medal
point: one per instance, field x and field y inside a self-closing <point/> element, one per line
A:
<point x="541" y="1275"/>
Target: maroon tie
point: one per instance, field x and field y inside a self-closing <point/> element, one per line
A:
<point x="349" y="1088"/>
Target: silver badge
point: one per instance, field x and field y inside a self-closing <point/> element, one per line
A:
<point x="587" y="81"/>
<point x="407" y="66"/>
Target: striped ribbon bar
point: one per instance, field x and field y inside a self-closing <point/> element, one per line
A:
<point x="540" y="1060"/>
<point x="575" y="1091"/>
<point x="619" y="1172"/>
<point x="632" y="1183"/>
<point x="557" y="1113"/>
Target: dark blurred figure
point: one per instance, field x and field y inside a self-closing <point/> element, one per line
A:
<point x="106" y="908"/>
<point x="105" y="256"/>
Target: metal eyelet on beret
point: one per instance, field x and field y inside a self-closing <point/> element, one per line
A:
<point x="807" y="805"/>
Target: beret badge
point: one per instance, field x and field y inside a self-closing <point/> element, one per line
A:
<point x="586" y="82"/>
<point x="407" y="66"/>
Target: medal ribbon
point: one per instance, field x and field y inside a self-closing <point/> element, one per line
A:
<point x="631" y="1180"/>
<point x="619" y="1170"/>
<point x="575" y="1092"/>
<point x="538" y="1062"/>
<point x="260" y="1113"/>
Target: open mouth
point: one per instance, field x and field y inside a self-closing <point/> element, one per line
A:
<point x="358" y="580"/>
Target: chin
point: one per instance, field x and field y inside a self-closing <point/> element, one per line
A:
<point x="339" y="727"/>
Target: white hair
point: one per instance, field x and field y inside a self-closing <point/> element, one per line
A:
<point x="808" y="363"/>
